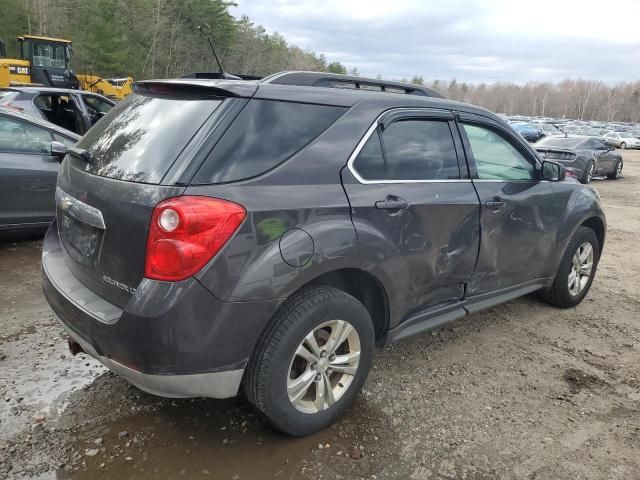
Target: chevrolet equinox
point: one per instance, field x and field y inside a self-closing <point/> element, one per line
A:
<point x="219" y="235"/>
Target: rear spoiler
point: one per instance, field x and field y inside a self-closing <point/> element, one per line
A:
<point x="220" y="76"/>
<point x="184" y="86"/>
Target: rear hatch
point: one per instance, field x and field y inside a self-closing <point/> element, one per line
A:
<point x="139" y="152"/>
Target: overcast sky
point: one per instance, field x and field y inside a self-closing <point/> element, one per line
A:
<point x="471" y="40"/>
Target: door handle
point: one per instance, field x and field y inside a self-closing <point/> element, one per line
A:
<point x="392" y="203"/>
<point x="495" y="205"/>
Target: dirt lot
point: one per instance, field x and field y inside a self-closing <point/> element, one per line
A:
<point x="520" y="391"/>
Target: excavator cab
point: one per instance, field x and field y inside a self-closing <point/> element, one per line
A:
<point x="49" y="62"/>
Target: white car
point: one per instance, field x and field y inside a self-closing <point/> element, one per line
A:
<point x="622" y="140"/>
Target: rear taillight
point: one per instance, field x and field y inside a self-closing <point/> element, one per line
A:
<point x="570" y="172"/>
<point x="186" y="232"/>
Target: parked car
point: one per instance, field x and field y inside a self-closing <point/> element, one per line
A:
<point x="218" y="235"/>
<point x="550" y="130"/>
<point x="529" y="132"/>
<point x="622" y="140"/>
<point x="74" y="110"/>
<point x="583" y="157"/>
<point x="30" y="155"/>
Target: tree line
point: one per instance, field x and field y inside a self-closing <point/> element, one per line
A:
<point x="574" y="99"/>
<point x="167" y="38"/>
<point x="156" y="38"/>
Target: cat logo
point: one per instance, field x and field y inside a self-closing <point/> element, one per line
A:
<point x="18" y="70"/>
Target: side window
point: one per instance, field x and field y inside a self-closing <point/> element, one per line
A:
<point x="265" y="134"/>
<point x="420" y="150"/>
<point x="98" y="104"/>
<point x="64" y="140"/>
<point x="22" y="137"/>
<point x="496" y="158"/>
<point x="370" y="162"/>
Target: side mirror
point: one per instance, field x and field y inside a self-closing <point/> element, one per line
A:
<point x="553" y="171"/>
<point x="58" y="150"/>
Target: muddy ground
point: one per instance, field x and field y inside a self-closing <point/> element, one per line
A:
<point x="523" y="390"/>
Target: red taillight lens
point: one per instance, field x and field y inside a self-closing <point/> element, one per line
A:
<point x="186" y="232"/>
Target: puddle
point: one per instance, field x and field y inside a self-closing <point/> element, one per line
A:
<point x="203" y="438"/>
<point x="578" y="380"/>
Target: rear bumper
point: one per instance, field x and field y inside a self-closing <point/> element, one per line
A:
<point x="170" y="339"/>
<point x="224" y="384"/>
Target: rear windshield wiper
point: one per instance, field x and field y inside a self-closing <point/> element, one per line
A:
<point x="80" y="153"/>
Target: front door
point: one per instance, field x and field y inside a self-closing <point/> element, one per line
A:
<point x="414" y="208"/>
<point x="518" y="219"/>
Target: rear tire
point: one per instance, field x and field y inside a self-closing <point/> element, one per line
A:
<point x="565" y="292"/>
<point x="617" y="171"/>
<point x="588" y="172"/>
<point x="296" y="376"/>
<point x="623" y="146"/>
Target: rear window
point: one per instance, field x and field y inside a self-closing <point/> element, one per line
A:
<point x="265" y="134"/>
<point x="141" y="137"/>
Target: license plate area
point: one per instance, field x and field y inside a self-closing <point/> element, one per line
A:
<point x="81" y="240"/>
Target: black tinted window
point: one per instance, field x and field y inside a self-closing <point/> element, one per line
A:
<point x="370" y="163"/>
<point x="420" y="150"/>
<point x="264" y="135"/>
<point x="141" y="137"/>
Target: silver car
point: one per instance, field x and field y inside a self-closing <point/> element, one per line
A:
<point x="622" y="140"/>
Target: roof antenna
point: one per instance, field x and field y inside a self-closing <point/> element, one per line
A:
<point x="223" y="74"/>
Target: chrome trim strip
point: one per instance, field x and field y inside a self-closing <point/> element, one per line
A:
<point x="79" y="210"/>
<point x="368" y="134"/>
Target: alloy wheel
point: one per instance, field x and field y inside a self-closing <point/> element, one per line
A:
<point x="581" y="268"/>
<point x="592" y="167"/>
<point x="323" y="366"/>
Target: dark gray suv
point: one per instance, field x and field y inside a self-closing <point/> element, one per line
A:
<point x="217" y="235"/>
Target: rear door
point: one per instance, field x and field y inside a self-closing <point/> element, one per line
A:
<point x="27" y="174"/>
<point x="414" y="208"/>
<point x="519" y="218"/>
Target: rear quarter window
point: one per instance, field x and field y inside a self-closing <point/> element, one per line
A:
<point x="265" y="134"/>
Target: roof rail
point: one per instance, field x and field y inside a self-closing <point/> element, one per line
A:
<point x="333" y="80"/>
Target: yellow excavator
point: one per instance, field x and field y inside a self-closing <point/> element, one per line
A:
<point x="47" y="61"/>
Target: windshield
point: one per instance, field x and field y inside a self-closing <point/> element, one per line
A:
<point x="50" y="55"/>
<point x="560" y="142"/>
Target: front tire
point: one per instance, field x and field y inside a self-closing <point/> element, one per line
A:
<point x="312" y="360"/>
<point x="576" y="271"/>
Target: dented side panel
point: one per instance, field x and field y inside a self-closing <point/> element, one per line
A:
<point x="519" y="239"/>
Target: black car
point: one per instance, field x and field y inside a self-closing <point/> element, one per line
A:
<point x="217" y="235"/>
<point x="583" y="157"/>
<point x="74" y="110"/>
<point x="30" y="155"/>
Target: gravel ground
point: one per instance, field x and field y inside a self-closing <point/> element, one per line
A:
<point x="520" y="391"/>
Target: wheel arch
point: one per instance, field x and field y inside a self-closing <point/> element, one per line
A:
<point x="596" y="224"/>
